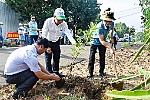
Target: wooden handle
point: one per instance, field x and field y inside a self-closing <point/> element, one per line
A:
<point x="114" y="65"/>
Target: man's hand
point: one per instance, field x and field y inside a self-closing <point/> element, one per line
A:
<point x="49" y="51"/>
<point x="39" y="29"/>
<point x="56" y="77"/>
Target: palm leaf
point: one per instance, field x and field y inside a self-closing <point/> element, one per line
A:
<point x="137" y="94"/>
<point x="142" y="85"/>
<point x="137" y="54"/>
<point x="123" y="78"/>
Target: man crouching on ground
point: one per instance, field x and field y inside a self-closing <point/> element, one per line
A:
<point x="23" y="69"/>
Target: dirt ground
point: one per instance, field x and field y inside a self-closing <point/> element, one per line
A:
<point x="79" y="87"/>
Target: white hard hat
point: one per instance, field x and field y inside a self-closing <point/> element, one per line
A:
<point x="59" y="13"/>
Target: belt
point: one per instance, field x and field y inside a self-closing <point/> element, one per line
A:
<point x="54" y="41"/>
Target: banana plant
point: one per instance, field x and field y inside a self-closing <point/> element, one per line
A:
<point x="140" y="50"/>
<point x="137" y="94"/>
<point x="123" y="78"/>
<point x="134" y="93"/>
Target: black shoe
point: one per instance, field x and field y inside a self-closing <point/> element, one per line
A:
<point x="60" y="75"/>
<point x="89" y="75"/>
<point x="102" y="75"/>
<point x="17" y="96"/>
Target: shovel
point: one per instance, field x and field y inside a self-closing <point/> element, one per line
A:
<point x="117" y="85"/>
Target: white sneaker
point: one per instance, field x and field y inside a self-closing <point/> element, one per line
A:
<point x="3" y="46"/>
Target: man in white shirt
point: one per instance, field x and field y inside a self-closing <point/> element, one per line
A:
<point x="52" y="30"/>
<point x="23" y="69"/>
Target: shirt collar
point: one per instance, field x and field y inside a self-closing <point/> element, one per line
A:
<point x="53" y="20"/>
<point x="35" y="50"/>
<point x="104" y="25"/>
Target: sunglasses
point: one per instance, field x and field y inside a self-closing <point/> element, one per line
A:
<point x="32" y="18"/>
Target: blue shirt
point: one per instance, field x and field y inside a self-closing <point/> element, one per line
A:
<point x="63" y="34"/>
<point x="102" y="30"/>
<point x="26" y="29"/>
<point x="33" y="25"/>
<point x="115" y="34"/>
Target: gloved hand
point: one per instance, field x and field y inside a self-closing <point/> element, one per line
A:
<point x="59" y="84"/>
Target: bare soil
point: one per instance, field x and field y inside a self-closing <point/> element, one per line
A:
<point x="77" y="85"/>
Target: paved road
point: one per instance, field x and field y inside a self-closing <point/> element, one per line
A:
<point x="65" y="60"/>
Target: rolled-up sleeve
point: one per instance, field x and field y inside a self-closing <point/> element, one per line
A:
<point x="45" y="29"/>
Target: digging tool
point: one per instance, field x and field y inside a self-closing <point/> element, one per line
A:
<point x="117" y="85"/>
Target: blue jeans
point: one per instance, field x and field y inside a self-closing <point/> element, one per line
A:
<point x="24" y="82"/>
<point x="26" y="39"/>
<point x="2" y="39"/>
<point x="33" y="38"/>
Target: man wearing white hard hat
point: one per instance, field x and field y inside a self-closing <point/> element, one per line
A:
<point x="105" y="27"/>
<point x="52" y="30"/>
<point x="1" y="35"/>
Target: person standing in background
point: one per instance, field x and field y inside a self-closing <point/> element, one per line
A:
<point x="63" y="38"/>
<point x="21" y="31"/>
<point x="115" y="37"/>
<point x="1" y="35"/>
<point x="33" y="33"/>
<point x="105" y="27"/>
<point x="26" y="34"/>
<point x="52" y="30"/>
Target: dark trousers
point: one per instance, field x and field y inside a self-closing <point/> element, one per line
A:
<point x="24" y="82"/>
<point x="102" y="50"/>
<point x="33" y="38"/>
<point x="115" y="42"/>
<point x="55" y="48"/>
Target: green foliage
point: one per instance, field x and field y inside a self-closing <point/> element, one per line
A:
<point x="142" y="85"/>
<point x="125" y="44"/>
<point x="70" y="97"/>
<point x="137" y="54"/>
<point x="139" y="36"/>
<point x="46" y="97"/>
<point x="143" y="72"/>
<point x="80" y="45"/>
<point x="148" y="46"/>
<point x="121" y="29"/>
<point x="123" y="78"/>
<point x="137" y="94"/>
<point x="78" y="12"/>
<point x="131" y="31"/>
<point x="146" y="78"/>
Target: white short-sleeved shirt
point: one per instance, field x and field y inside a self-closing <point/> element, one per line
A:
<point x="53" y="32"/>
<point x="22" y="59"/>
